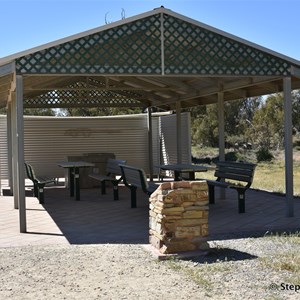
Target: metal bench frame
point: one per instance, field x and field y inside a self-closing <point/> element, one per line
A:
<point x="39" y="182"/>
<point x="237" y="171"/>
<point x="112" y="170"/>
<point x="135" y="178"/>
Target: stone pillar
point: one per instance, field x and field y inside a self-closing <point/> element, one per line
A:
<point x="179" y="217"/>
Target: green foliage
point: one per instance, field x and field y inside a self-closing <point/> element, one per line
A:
<point x="264" y="154"/>
<point x="33" y="111"/>
<point x="100" y="111"/>
<point x="232" y="140"/>
<point x="231" y="156"/>
<point x="205" y="126"/>
<point x="238" y="117"/>
<point x="267" y="130"/>
<point x="39" y="112"/>
<point x="296" y="110"/>
<point x="250" y="120"/>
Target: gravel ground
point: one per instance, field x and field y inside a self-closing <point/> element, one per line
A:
<point x="234" y="269"/>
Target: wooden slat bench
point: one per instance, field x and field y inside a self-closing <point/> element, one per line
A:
<point x="112" y="170"/>
<point x="135" y="178"/>
<point x="39" y="182"/>
<point x="242" y="175"/>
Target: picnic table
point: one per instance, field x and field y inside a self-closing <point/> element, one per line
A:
<point x="73" y="167"/>
<point x="191" y="169"/>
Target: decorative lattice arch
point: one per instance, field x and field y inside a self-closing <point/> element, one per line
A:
<point x="83" y="94"/>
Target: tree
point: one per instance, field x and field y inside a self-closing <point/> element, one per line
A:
<point x="205" y="126"/>
<point x="39" y="112"/>
<point x="238" y="117"/>
<point x="296" y="110"/>
<point x="267" y="130"/>
<point x="33" y="111"/>
<point x="100" y="111"/>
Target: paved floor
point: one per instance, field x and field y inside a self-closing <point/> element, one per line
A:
<point x="97" y="219"/>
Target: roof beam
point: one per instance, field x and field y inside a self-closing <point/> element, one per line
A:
<point x="295" y="71"/>
<point x="149" y="95"/>
<point x="7" y="69"/>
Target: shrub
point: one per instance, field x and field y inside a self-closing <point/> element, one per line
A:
<point x="263" y="154"/>
<point x="231" y="156"/>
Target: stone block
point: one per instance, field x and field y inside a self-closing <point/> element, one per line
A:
<point x="177" y="210"/>
<point x="187" y="232"/>
<point x="154" y="233"/>
<point x="180" y="185"/>
<point x="204" y="229"/>
<point x="155" y="242"/>
<point x="165" y="186"/>
<point x="172" y="218"/>
<point x="202" y="195"/>
<point x="187" y="203"/>
<point x="190" y="222"/>
<point x="168" y="205"/>
<point x="170" y="226"/>
<point x="202" y="203"/>
<point x="193" y="214"/>
<point x="195" y="207"/>
<point x="199" y="185"/>
<point x="175" y="247"/>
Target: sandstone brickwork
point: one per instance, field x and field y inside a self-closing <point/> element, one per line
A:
<point x="179" y="217"/>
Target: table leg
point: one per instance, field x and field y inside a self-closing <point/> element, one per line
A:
<point x="77" y="187"/>
<point x="71" y="181"/>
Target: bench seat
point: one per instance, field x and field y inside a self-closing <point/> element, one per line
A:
<point x="240" y="172"/>
<point x="112" y="170"/>
<point x="39" y="182"/>
<point x="135" y="178"/>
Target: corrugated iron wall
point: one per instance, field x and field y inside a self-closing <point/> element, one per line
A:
<point x="169" y="139"/>
<point x="48" y="140"/>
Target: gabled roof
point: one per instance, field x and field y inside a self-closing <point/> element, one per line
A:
<point x="156" y="58"/>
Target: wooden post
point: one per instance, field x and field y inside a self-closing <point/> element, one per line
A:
<point x="150" y="146"/>
<point x="288" y="142"/>
<point x="221" y="126"/>
<point x="19" y="161"/>
<point x="9" y="147"/>
<point x="14" y="149"/>
<point x="178" y="132"/>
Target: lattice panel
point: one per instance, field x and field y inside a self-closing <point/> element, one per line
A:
<point x="132" y="48"/>
<point x="135" y="48"/>
<point x="190" y="49"/>
<point x="83" y="95"/>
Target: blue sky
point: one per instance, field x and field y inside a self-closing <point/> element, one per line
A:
<point x="25" y="24"/>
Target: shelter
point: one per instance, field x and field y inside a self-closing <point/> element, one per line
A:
<point x="156" y="59"/>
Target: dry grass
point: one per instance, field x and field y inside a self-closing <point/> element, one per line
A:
<point x="287" y="258"/>
<point x="271" y="177"/>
